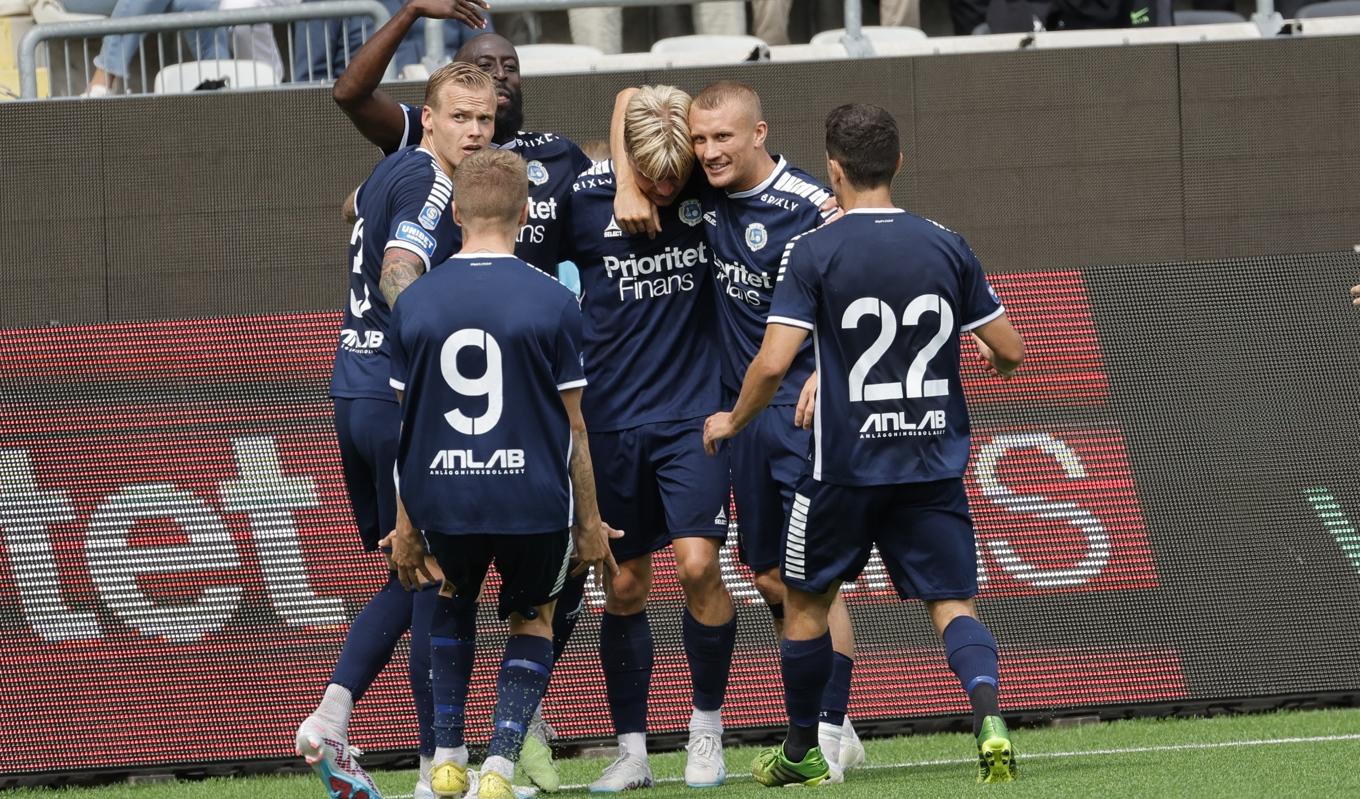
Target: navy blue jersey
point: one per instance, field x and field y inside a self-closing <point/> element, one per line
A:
<point x="404" y="204"/>
<point x="886" y="295"/>
<point x="748" y="231"/>
<point x="482" y="348"/>
<point x="554" y="162"/>
<point x="650" y="331"/>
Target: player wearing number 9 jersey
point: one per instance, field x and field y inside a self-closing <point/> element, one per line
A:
<point x="493" y="460"/>
<point x="885" y="296"/>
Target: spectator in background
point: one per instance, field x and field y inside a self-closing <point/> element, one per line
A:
<point x="322" y="48"/>
<point x="602" y="27"/>
<point x="118" y="50"/>
<point x="256" y="42"/>
<point x="770" y="18"/>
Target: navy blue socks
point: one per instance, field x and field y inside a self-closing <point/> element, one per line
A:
<point x="807" y="667"/>
<point x="709" y="652"/>
<point x="626" y="655"/>
<point x="971" y="650"/>
<point x="372" y="636"/>
<point x="422" y="613"/>
<point x="519" y="688"/>
<point x="836" y="697"/>
<point x="453" y="645"/>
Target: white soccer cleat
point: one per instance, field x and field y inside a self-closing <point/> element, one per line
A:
<point x="423" y="790"/>
<point x="852" y="750"/>
<point x="333" y="759"/>
<point x="704" y="766"/>
<point x="626" y="773"/>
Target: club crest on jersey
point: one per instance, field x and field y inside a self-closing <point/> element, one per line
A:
<point x="429" y="217"/>
<point x="538" y="174"/>
<point x="691" y="213"/>
<point x="756" y="237"/>
<point x="612" y="230"/>
<point x="992" y="292"/>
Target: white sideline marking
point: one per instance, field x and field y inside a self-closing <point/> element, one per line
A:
<point x="1132" y="750"/>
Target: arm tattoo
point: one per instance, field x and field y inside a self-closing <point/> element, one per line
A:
<point x="583" y="477"/>
<point x="400" y="268"/>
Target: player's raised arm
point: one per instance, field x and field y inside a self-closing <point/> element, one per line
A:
<point x="632" y="210"/>
<point x="376" y="115"/>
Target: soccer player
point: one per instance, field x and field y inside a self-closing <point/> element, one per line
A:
<point x="651" y="354"/>
<point x="885" y="295"/>
<point x="493" y="458"/>
<point x="754" y="205"/>
<point x="553" y="164"/>
<point x="553" y="161"/>
<point x="403" y="227"/>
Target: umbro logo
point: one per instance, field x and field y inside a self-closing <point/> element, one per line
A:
<point x="612" y="230"/>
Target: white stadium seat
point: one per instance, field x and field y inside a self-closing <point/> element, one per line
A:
<point x="716" y="49"/>
<point x="179" y="78"/>
<point x="978" y="43"/>
<point x="548" y="59"/>
<point x="808" y="52"/>
<point x="1156" y="35"/>
<point x="876" y="34"/>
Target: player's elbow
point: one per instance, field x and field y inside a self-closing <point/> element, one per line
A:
<point x="765" y="370"/>
<point x="347" y="95"/>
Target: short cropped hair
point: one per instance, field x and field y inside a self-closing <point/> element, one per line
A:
<point x="656" y="133"/>
<point x="460" y="74"/>
<point x="863" y="139"/>
<point x="717" y="95"/>
<point x="491" y="186"/>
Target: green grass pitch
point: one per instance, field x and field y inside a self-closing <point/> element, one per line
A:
<point x="1293" y="754"/>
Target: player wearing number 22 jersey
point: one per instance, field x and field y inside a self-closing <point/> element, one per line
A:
<point x="885" y="296"/>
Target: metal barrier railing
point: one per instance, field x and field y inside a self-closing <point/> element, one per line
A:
<point x="368" y="15"/>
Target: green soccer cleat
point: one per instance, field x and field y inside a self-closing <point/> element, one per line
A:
<point x="536" y="763"/>
<point x="772" y="769"/>
<point x="996" y="756"/>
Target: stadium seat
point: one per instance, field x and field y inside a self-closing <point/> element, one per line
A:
<point x="1327" y="26"/>
<point x="185" y="77"/>
<point x="548" y="59"/>
<point x="717" y="49"/>
<point x="1157" y="35"/>
<point x="807" y="52"/>
<point x="48" y="11"/>
<point x="878" y="36"/>
<point x="1191" y="16"/>
<point x="988" y="43"/>
<point x="1333" y="8"/>
<point x="631" y="61"/>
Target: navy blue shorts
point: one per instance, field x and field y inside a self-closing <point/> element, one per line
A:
<point x="655" y="483"/>
<point x="533" y="567"/>
<point x="769" y="459"/>
<point x="368" y="429"/>
<point x="923" y="532"/>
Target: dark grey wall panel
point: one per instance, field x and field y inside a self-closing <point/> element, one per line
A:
<point x="1051" y="158"/>
<point x="1272" y="154"/>
<point x="228" y="204"/>
<point x="51" y="214"/>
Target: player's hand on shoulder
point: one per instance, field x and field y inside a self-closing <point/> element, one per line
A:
<point x="406" y="554"/>
<point x="807" y="403"/>
<point x="718" y="427"/>
<point x="831" y="210"/>
<point x="468" y="12"/>
<point x="592" y="550"/>
<point x="634" y="212"/>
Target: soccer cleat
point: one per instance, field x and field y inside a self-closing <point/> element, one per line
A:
<point x="423" y="790"/>
<point x="852" y="753"/>
<point x="333" y="760"/>
<point x="449" y="780"/>
<point x="626" y="773"/>
<point x="491" y="785"/>
<point x="996" y="757"/>
<point x="771" y="768"/>
<point x="704" y="766"/>
<point x="536" y="759"/>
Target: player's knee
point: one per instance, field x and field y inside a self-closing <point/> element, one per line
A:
<point x="698" y="573"/>
<point x="770" y="586"/>
<point x="627" y="594"/>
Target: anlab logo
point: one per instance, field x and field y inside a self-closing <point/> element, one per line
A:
<point x="691" y="213"/>
<point x="538" y="174"/>
<point x="429" y="217"/>
<point x="756" y="237"/>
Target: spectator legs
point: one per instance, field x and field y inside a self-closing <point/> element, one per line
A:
<point x="770" y="19"/>
<point x="601" y="28"/>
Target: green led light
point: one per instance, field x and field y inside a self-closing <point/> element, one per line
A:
<point x="1334" y="519"/>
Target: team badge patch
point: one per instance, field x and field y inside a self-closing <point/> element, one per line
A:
<point x="429" y="217"/>
<point x="992" y="292"/>
<point x="691" y="213"/>
<point x="538" y="174"/>
<point x="411" y="234"/>
<point x="756" y="237"/>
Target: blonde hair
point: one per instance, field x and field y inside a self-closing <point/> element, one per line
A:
<point x="717" y="95"/>
<point x="656" y="133"/>
<point x="491" y="186"/>
<point x="459" y="74"/>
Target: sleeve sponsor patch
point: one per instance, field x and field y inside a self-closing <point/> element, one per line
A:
<point x="411" y="233"/>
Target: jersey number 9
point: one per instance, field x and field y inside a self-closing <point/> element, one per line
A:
<point x="490" y="384"/>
